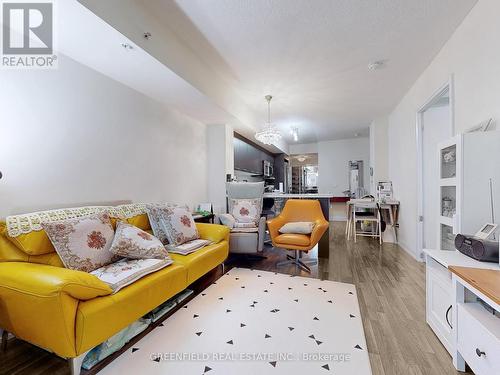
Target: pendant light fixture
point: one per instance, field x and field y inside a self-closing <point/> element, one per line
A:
<point x="270" y="134"/>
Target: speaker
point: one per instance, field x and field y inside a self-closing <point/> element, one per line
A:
<point x="477" y="248"/>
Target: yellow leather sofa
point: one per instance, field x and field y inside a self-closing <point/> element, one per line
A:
<point x="70" y="312"/>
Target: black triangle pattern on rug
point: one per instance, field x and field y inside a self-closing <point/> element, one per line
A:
<point x="195" y="316"/>
<point x="312" y="337"/>
<point x="228" y="311"/>
<point x="134" y="350"/>
<point x="207" y="369"/>
<point x="351" y="316"/>
<point x="319" y="342"/>
<point x="330" y="301"/>
<point x="157" y="359"/>
<point x="203" y="294"/>
<point x="274" y="310"/>
<point x="242" y="325"/>
<point x="291" y="328"/>
<point x="358" y="347"/>
<point x="230" y="342"/>
<point x="199" y="333"/>
<point x="315" y="318"/>
<point x="296" y="300"/>
<point x="326" y="367"/>
<point x="273" y="363"/>
<point x="267" y="336"/>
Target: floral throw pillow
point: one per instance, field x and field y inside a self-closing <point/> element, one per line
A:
<point x="83" y="243"/>
<point x="154" y="212"/>
<point x="134" y="243"/>
<point x="178" y="225"/>
<point x="246" y="210"/>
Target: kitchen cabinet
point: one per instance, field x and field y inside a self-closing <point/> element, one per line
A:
<point x="248" y="157"/>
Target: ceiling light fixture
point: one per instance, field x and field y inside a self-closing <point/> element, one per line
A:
<point x="301" y="158"/>
<point x="270" y="134"/>
<point x="376" y="65"/>
<point x="295" y="134"/>
<point x="127" y="46"/>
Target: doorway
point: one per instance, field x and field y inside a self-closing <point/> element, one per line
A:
<point x="434" y="125"/>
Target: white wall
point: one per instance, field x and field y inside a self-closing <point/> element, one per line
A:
<point x="379" y="153"/>
<point x="333" y="159"/>
<point x="220" y="163"/>
<point x="73" y="136"/>
<point x="473" y="57"/>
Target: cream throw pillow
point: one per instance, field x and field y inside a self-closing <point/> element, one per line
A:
<point x="134" y="243"/>
<point x="298" y="227"/>
<point x="83" y="243"/>
<point x="246" y="210"/>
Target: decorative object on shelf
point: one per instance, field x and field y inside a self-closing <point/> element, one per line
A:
<point x="270" y="134"/>
<point x="448" y="206"/>
<point x="450" y="156"/>
<point x="482" y="127"/>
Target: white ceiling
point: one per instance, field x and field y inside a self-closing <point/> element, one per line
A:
<point x="85" y="37"/>
<point x="312" y="56"/>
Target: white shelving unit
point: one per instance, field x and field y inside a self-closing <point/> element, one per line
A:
<point x="450" y="185"/>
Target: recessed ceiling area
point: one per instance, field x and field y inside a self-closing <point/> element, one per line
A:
<point x="313" y="56"/>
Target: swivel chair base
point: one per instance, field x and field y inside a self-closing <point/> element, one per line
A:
<point x="298" y="261"/>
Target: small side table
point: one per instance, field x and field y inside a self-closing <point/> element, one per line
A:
<point x="204" y="218"/>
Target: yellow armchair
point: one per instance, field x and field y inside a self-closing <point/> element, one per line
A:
<point x="298" y="210"/>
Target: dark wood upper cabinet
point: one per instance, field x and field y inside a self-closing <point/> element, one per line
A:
<point x="248" y="157"/>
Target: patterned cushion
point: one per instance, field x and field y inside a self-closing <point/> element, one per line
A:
<point x="132" y="242"/>
<point x="246" y="210"/>
<point x="126" y="271"/>
<point x="178" y="224"/>
<point x="154" y="212"/>
<point x="82" y="243"/>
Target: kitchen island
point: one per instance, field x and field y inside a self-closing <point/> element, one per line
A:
<point x="324" y="201"/>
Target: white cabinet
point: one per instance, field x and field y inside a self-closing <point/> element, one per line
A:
<point x="478" y="339"/>
<point x="439" y="302"/>
<point x="467" y="162"/>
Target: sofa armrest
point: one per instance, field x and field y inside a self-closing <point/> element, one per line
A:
<point x="38" y="303"/>
<point x="46" y="281"/>
<point x="213" y="232"/>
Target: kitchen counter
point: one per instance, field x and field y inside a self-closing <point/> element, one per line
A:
<point x="288" y="196"/>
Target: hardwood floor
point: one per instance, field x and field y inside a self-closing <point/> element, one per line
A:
<point x="391" y="291"/>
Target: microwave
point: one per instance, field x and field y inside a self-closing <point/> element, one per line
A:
<point x="267" y="168"/>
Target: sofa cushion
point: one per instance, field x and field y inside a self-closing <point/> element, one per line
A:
<point x="83" y="243"/>
<point x="140" y="221"/>
<point x="202" y="261"/>
<point x="293" y="239"/>
<point x="132" y="242"/>
<point x="102" y="317"/>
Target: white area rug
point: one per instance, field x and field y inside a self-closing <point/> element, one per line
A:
<point x="256" y="322"/>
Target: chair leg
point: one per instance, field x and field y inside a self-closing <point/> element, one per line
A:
<point x="5" y="336"/>
<point x="75" y="364"/>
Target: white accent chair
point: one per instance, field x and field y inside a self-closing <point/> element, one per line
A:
<point x="247" y="241"/>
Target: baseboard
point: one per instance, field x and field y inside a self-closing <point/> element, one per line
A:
<point x="405" y="248"/>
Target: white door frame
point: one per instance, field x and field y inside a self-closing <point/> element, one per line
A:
<point x="448" y="86"/>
